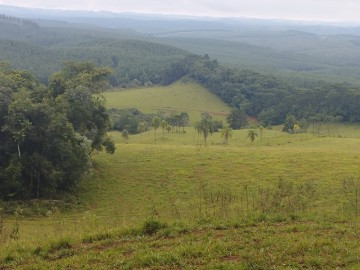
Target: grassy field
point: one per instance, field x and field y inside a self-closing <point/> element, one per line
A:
<point x="282" y="202"/>
<point x="173" y="99"/>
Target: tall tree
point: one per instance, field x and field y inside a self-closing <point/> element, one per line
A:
<point x="155" y="123"/>
<point x="164" y="126"/>
<point x="252" y="134"/>
<point x="125" y="134"/>
<point x="226" y="133"/>
<point x="205" y="126"/>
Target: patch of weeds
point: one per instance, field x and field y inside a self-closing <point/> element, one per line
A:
<point x="279" y="218"/>
<point x="96" y="237"/>
<point x="168" y="259"/>
<point x="152" y="226"/>
<point x="9" y="258"/>
<point x="262" y="217"/>
<point x="253" y="266"/>
<point x="221" y="227"/>
<point x="167" y="232"/>
<point x="191" y="252"/>
<point x="62" y="244"/>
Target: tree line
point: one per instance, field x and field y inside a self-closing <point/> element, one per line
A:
<point x="47" y="134"/>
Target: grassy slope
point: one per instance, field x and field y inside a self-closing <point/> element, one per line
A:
<point x="176" y="98"/>
<point x="170" y="181"/>
<point x="212" y="198"/>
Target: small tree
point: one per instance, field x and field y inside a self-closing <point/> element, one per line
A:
<point x="226" y="133"/>
<point x="125" y="134"/>
<point x="164" y="126"/>
<point x="155" y="123"/>
<point x="237" y="118"/>
<point x="296" y="128"/>
<point x="252" y="134"/>
<point x="261" y="131"/>
<point x="141" y="128"/>
<point x="168" y="129"/>
<point x="290" y="121"/>
<point x="205" y="126"/>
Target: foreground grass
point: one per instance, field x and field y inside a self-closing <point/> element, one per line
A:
<point x="282" y="202"/>
<point x="207" y="245"/>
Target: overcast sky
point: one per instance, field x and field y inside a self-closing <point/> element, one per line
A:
<point x="323" y="10"/>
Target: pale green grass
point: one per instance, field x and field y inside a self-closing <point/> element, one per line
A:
<point x="173" y="99"/>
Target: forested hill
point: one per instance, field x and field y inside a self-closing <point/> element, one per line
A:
<point x="268" y="98"/>
<point x="42" y="50"/>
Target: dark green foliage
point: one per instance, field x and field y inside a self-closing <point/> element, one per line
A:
<point x="129" y="119"/>
<point x="178" y="121"/>
<point x="47" y="137"/>
<point x="290" y="121"/>
<point x="180" y="69"/>
<point x="237" y="118"/>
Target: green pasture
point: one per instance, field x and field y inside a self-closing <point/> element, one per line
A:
<point x="282" y="202"/>
<point x="173" y="99"/>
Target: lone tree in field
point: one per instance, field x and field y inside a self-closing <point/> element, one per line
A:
<point x="125" y="134"/>
<point x="252" y="134"/>
<point x="226" y="133"/>
<point x="141" y="128"/>
<point x="205" y="126"/>
<point x="261" y="130"/>
<point x="155" y="123"/>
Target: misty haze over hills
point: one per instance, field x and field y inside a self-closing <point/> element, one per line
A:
<point x="314" y="50"/>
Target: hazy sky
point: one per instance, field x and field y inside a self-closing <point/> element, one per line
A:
<point x="325" y="10"/>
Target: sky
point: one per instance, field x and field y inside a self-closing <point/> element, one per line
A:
<point x="313" y="10"/>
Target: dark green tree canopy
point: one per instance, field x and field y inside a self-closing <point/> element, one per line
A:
<point x="46" y="139"/>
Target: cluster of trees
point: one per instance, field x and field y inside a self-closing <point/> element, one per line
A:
<point x="130" y="119"/>
<point x="48" y="133"/>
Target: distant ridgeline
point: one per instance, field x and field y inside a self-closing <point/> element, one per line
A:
<point x="266" y="97"/>
<point x="43" y="49"/>
<point x="18" y="21"/>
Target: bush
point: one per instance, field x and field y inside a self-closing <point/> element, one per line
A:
<point x="152" y="226"/>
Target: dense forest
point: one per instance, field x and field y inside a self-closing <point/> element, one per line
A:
<point x="47" y="134"/>
<point x="42" y="50"/>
